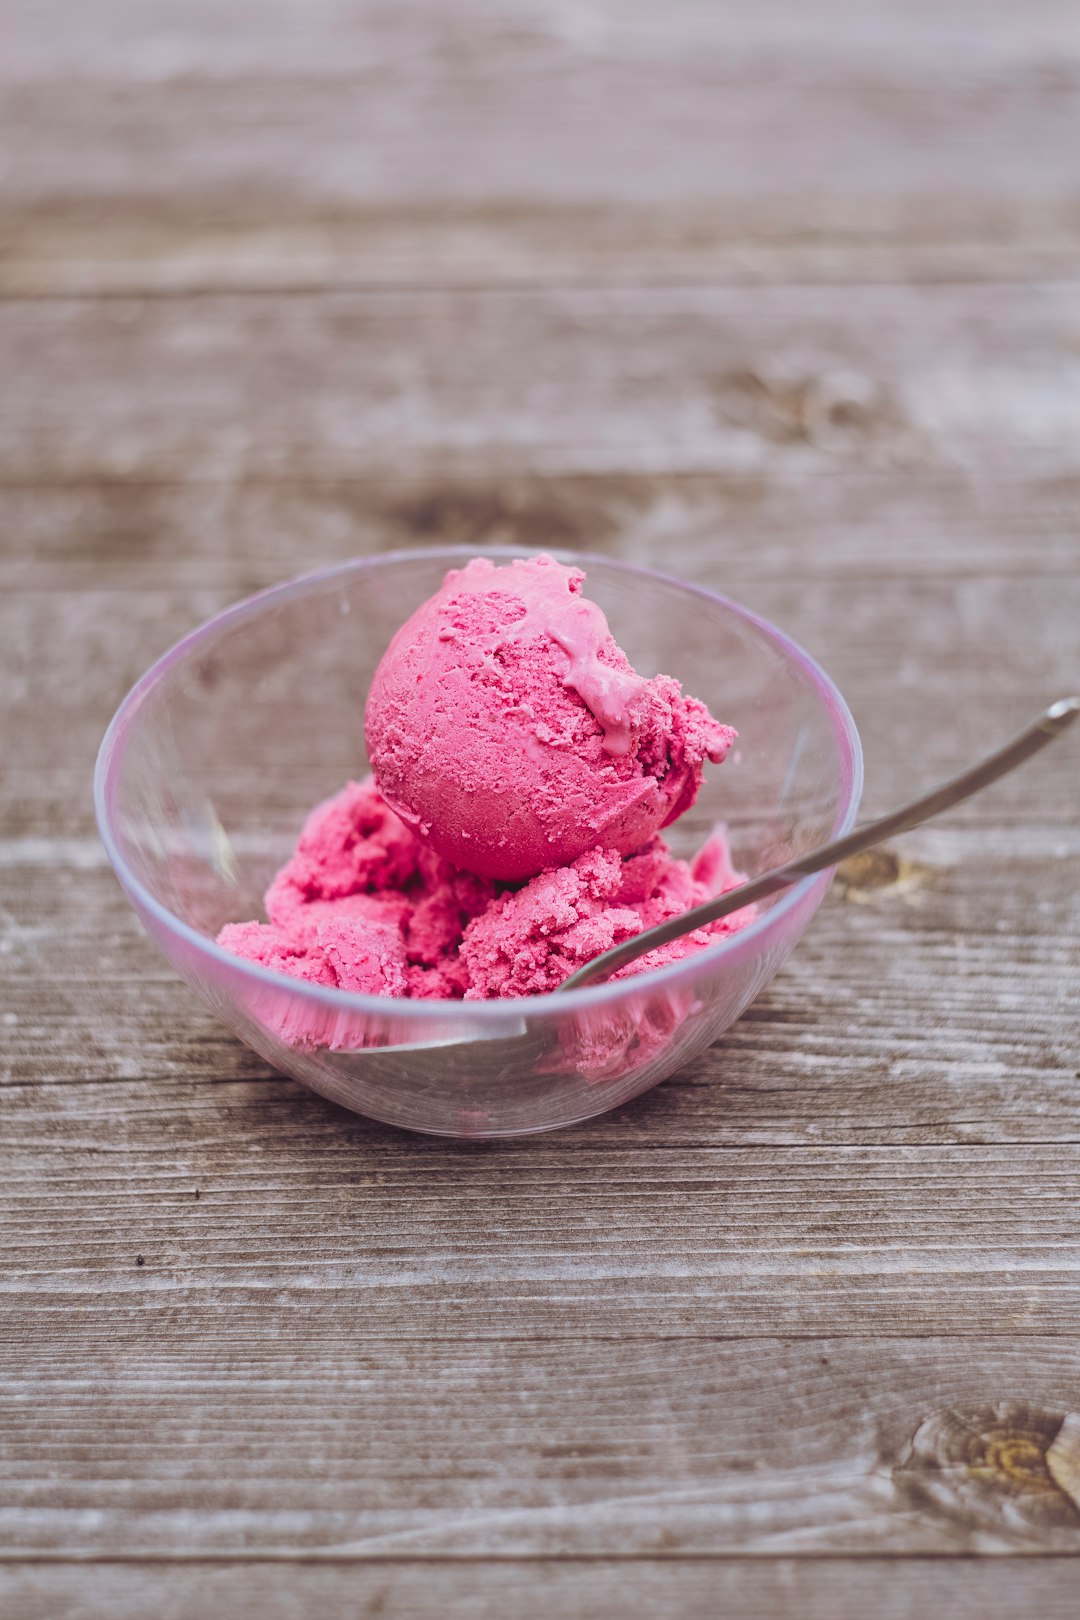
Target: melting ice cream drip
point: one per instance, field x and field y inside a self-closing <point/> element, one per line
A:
<point x="553" y="607"/>
<point x="607" y="692"/>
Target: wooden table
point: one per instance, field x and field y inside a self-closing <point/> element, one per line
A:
<point x="780" y="297"/>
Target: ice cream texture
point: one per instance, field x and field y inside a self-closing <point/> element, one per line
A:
<point x="510" y="832"/>
<point x="508" y="729"/>
<point x="364" y="905"/>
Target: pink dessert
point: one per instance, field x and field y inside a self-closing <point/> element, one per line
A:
<point x="507" y="728"/>
<point x="510" y="832"/>
<point x="364" y="905"/>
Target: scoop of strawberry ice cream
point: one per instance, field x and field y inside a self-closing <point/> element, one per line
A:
<point x="346" y="951"/>
<point x="531" y="939"/>
<point x="509" y="731"/>
<point x="363" y="905"/>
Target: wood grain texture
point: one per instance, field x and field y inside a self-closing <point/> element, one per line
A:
<point x="782" y="299"/>
<point x="519" y="1449"/>
<point x="584" y="380"/>
<point x="738" y="531"/>
<point x="301" y="1206"/>
<point x="494" y="142"/>
<point x="814" y="1589"/>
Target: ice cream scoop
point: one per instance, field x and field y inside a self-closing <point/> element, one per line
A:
<point x="508" y="729"/>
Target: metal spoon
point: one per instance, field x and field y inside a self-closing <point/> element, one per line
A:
<point x="1050" y="724"/>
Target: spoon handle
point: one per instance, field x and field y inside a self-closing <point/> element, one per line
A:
<point x="1050" y="724"/>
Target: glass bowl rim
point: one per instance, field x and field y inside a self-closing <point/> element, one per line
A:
<point x="729" y="947"/>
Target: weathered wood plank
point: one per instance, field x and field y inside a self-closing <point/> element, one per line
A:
<point x="507" y="142"/>
<point x="512" y="1449"/>
<point x="817" y="1589"/>
<point x="269" y="39"/>
<point x="308" y="1214"/>
<point x="111" y="248"/>
<point x="868" y="528"/>
<point x="662" y="380"/>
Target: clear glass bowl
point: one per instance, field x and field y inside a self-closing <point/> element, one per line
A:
<point x="214" y="759"/>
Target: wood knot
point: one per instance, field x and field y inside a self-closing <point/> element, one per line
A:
<point x="879" y="874"/>
<point x="873" y="869"/>
<point x="1014" y="1461"/>
<point x="833" y="409"/>
<point x="1009" y="1473"/>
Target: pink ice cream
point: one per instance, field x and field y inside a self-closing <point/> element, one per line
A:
<point x="364" y="905"/>
<point x="530" y="940"/>
<point x="510" y="832"/>
<point x="509" y="731"/>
